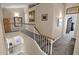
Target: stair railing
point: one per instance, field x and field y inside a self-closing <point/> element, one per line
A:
<point x="45" y="42"/>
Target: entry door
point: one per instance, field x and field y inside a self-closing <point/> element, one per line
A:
<point x="7" y="25"/>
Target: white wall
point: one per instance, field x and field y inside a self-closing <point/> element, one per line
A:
<point x="58" y="13"/>
<point x="49" y="27"/>
<point x="2" y="43"/>
<point x="9" y="13"/>
<point x="76" y="48"/>
<point x="45" y="27"/>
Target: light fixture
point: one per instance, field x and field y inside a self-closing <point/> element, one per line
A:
<point x="60" y="15"/>
<point x="60" y="20"/>
<point x="16" y="14"/>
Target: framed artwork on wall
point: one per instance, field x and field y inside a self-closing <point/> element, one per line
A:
<point x="32" y="16"/>
<point x="44" y="17"/>
<point x="17" y="21"/>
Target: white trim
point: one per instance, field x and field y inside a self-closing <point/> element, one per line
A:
<point x="57" y="38"/>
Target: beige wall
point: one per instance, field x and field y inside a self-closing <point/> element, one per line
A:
<point x="49" y="27"/>
<point x="2" y="43"/>
<point x="9" y="13"/>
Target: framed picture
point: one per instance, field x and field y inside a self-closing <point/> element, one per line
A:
<point x="32" y="16"/>
<point x="44" y="17"/>
<point x="17" y="21"/>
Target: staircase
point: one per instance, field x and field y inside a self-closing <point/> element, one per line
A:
<point x="44" y="42"/>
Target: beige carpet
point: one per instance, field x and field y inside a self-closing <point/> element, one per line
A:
<point x="64" y="46"/>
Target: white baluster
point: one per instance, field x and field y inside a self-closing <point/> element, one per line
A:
<point x="51" y="47"/>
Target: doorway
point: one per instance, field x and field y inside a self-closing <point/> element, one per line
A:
<point x="70" y="25"/>
<point x="7" y="25"/>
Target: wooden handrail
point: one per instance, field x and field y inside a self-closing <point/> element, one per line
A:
<point x="49" y="38"/>
<point x="21" y="23"/>
<point x="37" y="30"/>
<point x="43" y="34"/>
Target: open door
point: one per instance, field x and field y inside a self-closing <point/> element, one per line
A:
<point x="7" y="25"/>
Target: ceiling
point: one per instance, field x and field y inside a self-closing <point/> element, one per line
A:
<point x="14" y="5"/>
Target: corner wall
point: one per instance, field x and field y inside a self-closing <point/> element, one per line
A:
<point x="49" y="27"/>
<point x="2" y="43"/>
<point x="10" y="13"/>
<point x="58" y="13"/>
<point x="76" y="48"/>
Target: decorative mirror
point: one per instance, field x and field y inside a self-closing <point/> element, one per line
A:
<point x="17" y="21"/>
